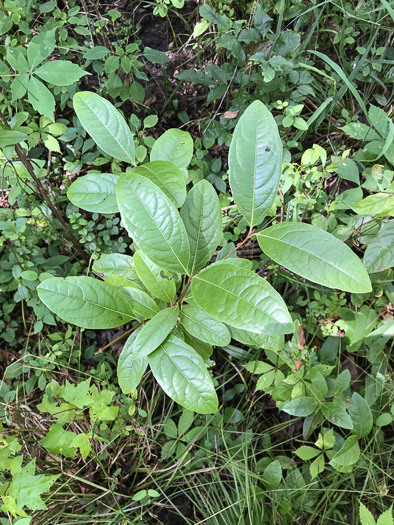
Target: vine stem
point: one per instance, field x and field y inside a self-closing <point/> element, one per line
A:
<point x="180" y="299"/>
<point x="44" y="194"/>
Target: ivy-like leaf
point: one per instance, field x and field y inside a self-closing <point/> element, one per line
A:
<point x="155" y="332"/>
<point x="202" y="217"/>
<point x="167" y="177"/>
<point x="95" y="193"/>
<point x="255" y="162"/>
<point x="240" y="298"/>
<point x="201" y="325"/>
<point x="153" y="222"/>
<point x="105" y="125"/>
<point x="183" y="376"/>
<point x="85" y="302"/>
<point x="315" y="255"/>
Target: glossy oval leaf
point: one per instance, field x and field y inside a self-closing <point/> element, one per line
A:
<point x="142" y="304"/>
<point x="183" y="376"/>
<point x="155" y="332"/>
<point x="105" y="125"/>
<point x="95" y="193"/>
<point x="240" y="298"/>
<point x="379" y="254"/>
<point x="167" y="177"/>
<point x="201" y="325"/>
<point x="315" y="255"/>
<point x="85" y="302"/>
<point x="268" y="342"/>
<point x="202" y="217"/>
<point x="130" y="370"/>
<point x="175" y="146"/>
<point x="160" y="283"/>
<point x="376" y="204"/>
<point x="153" y="222"/>
<point x="116" y="264"/>
<point x="255" y="162"/>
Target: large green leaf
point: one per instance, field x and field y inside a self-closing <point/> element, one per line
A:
<point x="153" y="222"/>
<point x="142" y="304"/>
<point x="240" y="298"/>
<point x="116" y="264"/>
<point x="182" y="374"/>
<point x="202" y="217"/>
<point x="268" y="342"/>
<point x="204" y="327"/>
<point x="130" y="370"/>
<point x="175" y="146"/>
<point x="168" y="177"/>
<point x="255" y="162"/>
<point x="60" y="72"/>
<point x="9" y="137"/>
<point x="160" y="283"/>
<point x="315" y="255"/>
<point x="85" y="302"/>
<point x="155" y="332"/>
<point x="379" y="254"/>
<point x="105" y="125"/>
<point x="95" y="193"/>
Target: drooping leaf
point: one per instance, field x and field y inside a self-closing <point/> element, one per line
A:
<point x="105" y="125"/>
<point x="95" y="193"/>
<point x="240" y="298"/>
<point x="167" y="177"/>
<point x="202" y="217"/>
<point x="85" y="302"/>
<point x="361" y="416"/>
<point x="41" y="98"/>
<point x="155" y="332"/>
<point x="379" y="254"/>
<point x="153" y="222"/>
<point x="175" y="146"/>
<point x="116" y="264"/>
<point x="60" y="72"/>
<point x="347" y="456"/>
<point x="130" y="370"/>
<point x="255" y="162"/>
<point x="182" y="374"/>
<point x="315" y="255"/>
<point x="204" y="327"/>
<point x="157" y="281"/>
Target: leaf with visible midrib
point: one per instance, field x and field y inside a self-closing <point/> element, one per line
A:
<point x="202" y="217"/>
<point x="240" y="298"/>
<point x="105" y="125"/>
<point x="157" y="281"/>
<point x="255" y="162"/>
<point x="153" y="222"/>
<point x="183" y="376"/>
<point x="130" y="370"/>
<point x="176" y="146"/>
<point x="155" y="332"/>
<point x="316" y="255"/>
<point x="85" y="302"/>
<point x="95" y="193"/>
<point x="204" y="327"/>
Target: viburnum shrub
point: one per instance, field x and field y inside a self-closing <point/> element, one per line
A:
<point x="180" y="302"/>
